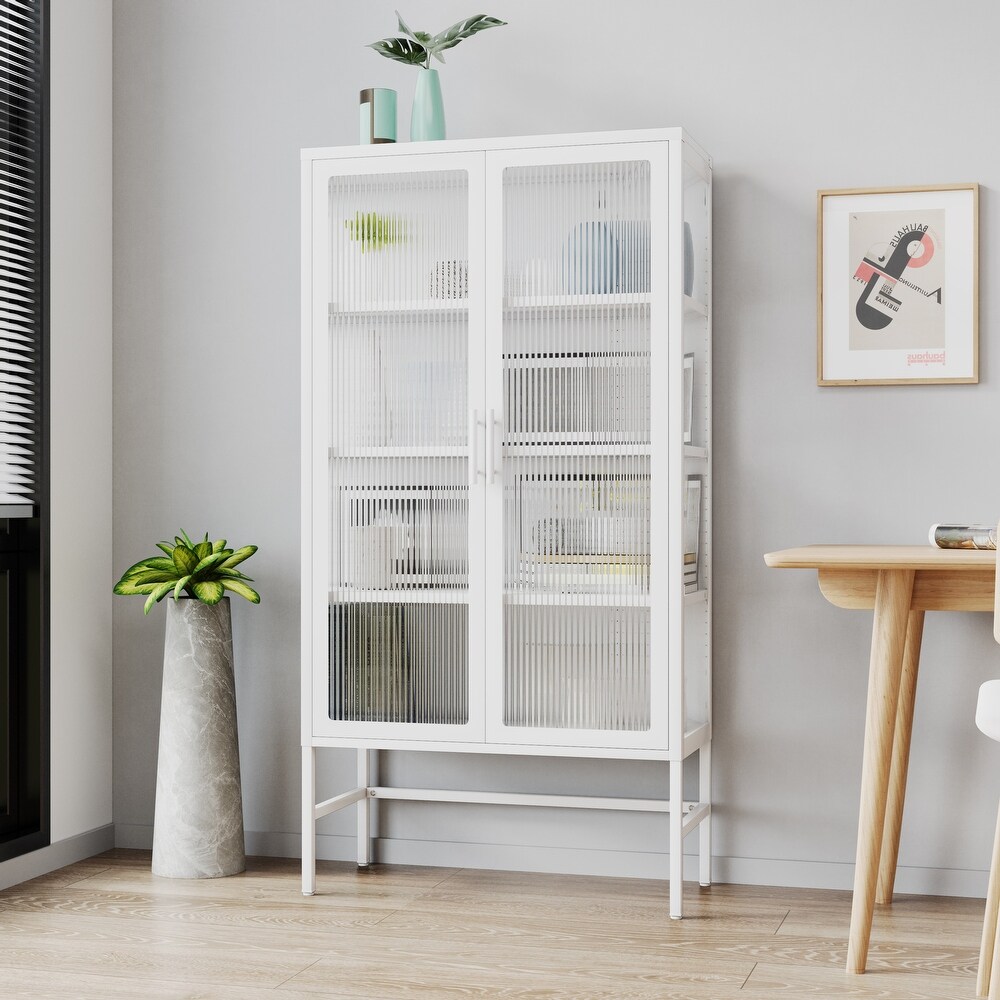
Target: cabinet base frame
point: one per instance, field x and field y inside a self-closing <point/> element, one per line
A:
<point x="685" y="814"/>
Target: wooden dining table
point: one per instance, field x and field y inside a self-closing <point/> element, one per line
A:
<point x="901" y="583"/>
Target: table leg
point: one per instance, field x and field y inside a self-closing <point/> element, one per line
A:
<point x="892" y="605"/>
<point x="985" y="977"/>
<point x="994" y="987"/>
<point x="900" y="758"/>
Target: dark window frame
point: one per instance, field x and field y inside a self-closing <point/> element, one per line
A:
<point x="26" y="547"/>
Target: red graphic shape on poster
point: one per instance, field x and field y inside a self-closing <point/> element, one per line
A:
<point x="918" y="260"/>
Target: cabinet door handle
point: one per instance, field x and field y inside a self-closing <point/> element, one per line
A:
<point x="493" y="445"/>
<point x="475" y="471"/>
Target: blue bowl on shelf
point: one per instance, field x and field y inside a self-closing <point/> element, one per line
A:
<point x="633" y="255"/>
<point x="602" y="258"/>
<point x="590" y="260"/>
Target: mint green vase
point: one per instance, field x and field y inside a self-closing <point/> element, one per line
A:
<point x="427" y="116"/>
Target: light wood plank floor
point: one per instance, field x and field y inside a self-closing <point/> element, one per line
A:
<point x="106" y="928"/>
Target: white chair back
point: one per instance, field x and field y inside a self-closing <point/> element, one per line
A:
<point x="988" y="709"/>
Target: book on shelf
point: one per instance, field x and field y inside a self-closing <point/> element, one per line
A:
<point x="692" y="530"/>
<point x="602" y="559"/>
<point x="688" y="397"/>
<point x="963" y="536"/>
<point x="596" y="573"/>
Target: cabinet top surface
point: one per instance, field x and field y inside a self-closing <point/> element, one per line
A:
<point x="503" y="142"/>
<point x="880" y="557"/>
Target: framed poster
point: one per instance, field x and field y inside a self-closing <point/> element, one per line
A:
<point x="898" y="285"/>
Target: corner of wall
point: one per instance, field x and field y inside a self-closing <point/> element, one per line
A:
<point x="80" y="156"/>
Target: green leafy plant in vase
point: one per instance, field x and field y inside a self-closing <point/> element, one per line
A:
<point x="204" y="570"/>
<point x="198" y="819"/>
<point x="416" y="48"/>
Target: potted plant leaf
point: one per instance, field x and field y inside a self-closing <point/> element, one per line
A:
<point x="415" y="48"/>
<point x="372" y="231"/>
<point x="198" y="825"/>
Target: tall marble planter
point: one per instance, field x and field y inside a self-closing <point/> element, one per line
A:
<point x="198" y="826"/>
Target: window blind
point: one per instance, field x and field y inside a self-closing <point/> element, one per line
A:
<point x="21" y="256"/>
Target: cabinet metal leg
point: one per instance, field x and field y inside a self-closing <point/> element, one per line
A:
<point x="705" y="827"/>
<point x="676" y="839"/>
<point x="308" y="821"/>
<point x="374" y="809"/>
<point x="364" y="810"/>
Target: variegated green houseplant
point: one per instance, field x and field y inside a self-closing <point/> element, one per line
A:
<point x="204" y="570"/>
<point x="417" y="48"/>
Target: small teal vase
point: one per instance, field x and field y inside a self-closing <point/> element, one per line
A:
<point x="427" y="116"/>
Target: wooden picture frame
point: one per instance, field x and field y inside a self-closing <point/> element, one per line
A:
<point x="897" y="285"/>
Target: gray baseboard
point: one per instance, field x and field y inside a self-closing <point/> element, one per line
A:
<point x="834" y="875"/>
<point x="58" y="855"/>
<point x="139" y="837"/>
<point x="567" y="861"/>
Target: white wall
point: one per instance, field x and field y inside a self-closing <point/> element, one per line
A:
<point x="80" y="400"/>
<point x="210" y="111"/>
<point x="80" y="437"/>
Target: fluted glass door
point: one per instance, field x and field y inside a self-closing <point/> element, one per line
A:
<point x="572" y="370"/>
<point x="401" y="286"/>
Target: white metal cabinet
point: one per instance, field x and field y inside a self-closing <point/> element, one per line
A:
<point x="506" y="394"/>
